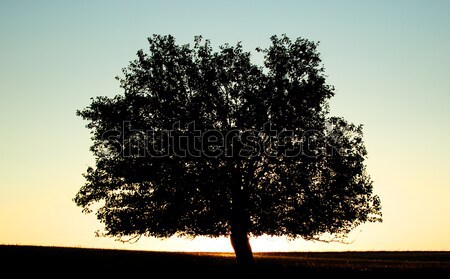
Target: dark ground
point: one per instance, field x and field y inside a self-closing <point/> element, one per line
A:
<point x="57" y="260"/>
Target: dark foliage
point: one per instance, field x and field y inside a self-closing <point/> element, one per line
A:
<point x="294" y="171"/>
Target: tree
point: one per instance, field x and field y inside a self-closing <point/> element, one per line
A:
<point x="208" y="143"/>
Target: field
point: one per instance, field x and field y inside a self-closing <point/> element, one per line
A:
<point x="59" y="260"/>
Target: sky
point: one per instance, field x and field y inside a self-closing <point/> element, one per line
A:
<point x="388" y="60"/>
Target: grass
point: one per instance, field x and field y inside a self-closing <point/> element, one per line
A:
<point x="58" y="260"/>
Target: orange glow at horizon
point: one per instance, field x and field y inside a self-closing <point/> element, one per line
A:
<point x="388" y="62"/>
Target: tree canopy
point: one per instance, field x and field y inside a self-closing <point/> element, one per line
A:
<point x="205" y="142"/>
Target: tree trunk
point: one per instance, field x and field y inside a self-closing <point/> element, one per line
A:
<point x="242" y="248"/>
<point x="239" y="228"/>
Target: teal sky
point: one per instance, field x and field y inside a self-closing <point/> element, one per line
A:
<point x="388" y="60"/>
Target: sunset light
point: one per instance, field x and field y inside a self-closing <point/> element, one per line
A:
<point x="387" y="61"/>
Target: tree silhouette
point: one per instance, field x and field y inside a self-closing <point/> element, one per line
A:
<point x="208" y="143"/>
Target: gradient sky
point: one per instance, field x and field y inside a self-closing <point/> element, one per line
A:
<point x="389" y="61"/>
